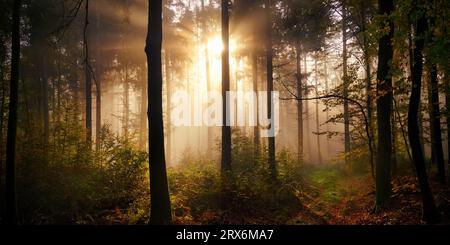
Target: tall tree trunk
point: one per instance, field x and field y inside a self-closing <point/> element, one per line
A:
<point x="429" y="211"/>
<point x="366" y="51"/>
<point x="345" y="78"/>
<point x="226" y="129"/>
<point x="11" y="210"/>
<point x="306" y="131"/>
<point x="87" y="72"/>
<point x="319" y="154"/>
<point x="394" y="167"/>
<point x="435" y="121"/>
<point x="269" y="56"/>
<point x="299" y="104"/>
<point x="98" y="88"/>
<point x="384" y="106"/>
<point x="126" y="111"/>
<point x="256" y="134"/>
<point x="160" y="211"/>
<point x="327" y="113"/>
<point x="168" y="99"/>
<point x="98" y="110"/>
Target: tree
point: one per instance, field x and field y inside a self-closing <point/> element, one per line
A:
<point x="384" y="105"/>
<point x="346" y="79"/>
<point x="269" y="56"/>
<point x="88" y="76"/>
<point x="429" y="212"/>
<point x="226" y="129"/>
<point x="160" y="211"/>
<point x="11" y="210"/>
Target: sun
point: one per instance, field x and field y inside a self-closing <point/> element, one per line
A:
<point x="215" y="46"/>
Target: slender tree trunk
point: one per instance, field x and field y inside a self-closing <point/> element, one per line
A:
<point x="226" y="129"/>
<point x="256" y="134"/>
<point x="307" y="131"/>
<point x="98" y="110"/>
<point x="299" y="104"/>
<point x="11" y="210"/>
<point x="429" y="211"/>
<point x="269" y="56"/>
<point x="168" y="99"/>
<point x="435" y="121"/>
<point x="345" y="78"/>
<point x="384" y="106"/>
<point x="319" y="154"/>
<point x="160" y="211"/>
<point x="394" y="167"/>
<point x="367" y="69"/>
<point x="327" y="114"/>
<point x="87" y="72"/>
<point x="98" y="89"/>
<point x="126" y="111"/>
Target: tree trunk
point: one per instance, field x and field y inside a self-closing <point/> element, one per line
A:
<point x="226" y="129"/>
<point x="256" y="134"/>
<point x="11" y="210"/>
<point x="269" y="56"/>
<point x="345" y="78"/>
<point x="299" y="104"/>
<point x="435" y="121"/>
<point x="168" y="99"/>
<point x="394" y="167"/>
<point x="319" y="154"/>
<point x="98" y="110"/>
<point x="88" y="78"/>
<point x="126" y="111"/>
<point x="160" y="211"/>
<point x="306" y="131"/>
<point x="384" y="106"/>
<point x="429" y="211"/>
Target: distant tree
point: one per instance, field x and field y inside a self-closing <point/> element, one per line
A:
<point x="160" y="211"/>
<point x="11" y="210"/>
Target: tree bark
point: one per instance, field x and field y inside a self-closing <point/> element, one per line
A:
<point x="345" y="78"/>
<point x="88" y="78"/>
<point x="256" y="134"/>
<point x="316" y="78"/>
<point x="11" y="209"/>
<point x="160" y="211"/>
<point x="168" y="99"/>
<point x="384" y="107"/>
<point x="269" y="57"/>
<point x="299" y="104"/>
<point x="435" y="123"/>
<point x="226" y="129"/>
<point x="429" y="211"/>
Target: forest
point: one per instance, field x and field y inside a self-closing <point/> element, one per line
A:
<point x="187" y="112"/>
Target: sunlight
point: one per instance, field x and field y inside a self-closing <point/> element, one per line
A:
<point x="215" y="46"/>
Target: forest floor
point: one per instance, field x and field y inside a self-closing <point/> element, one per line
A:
<point x="333" y="196"/>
